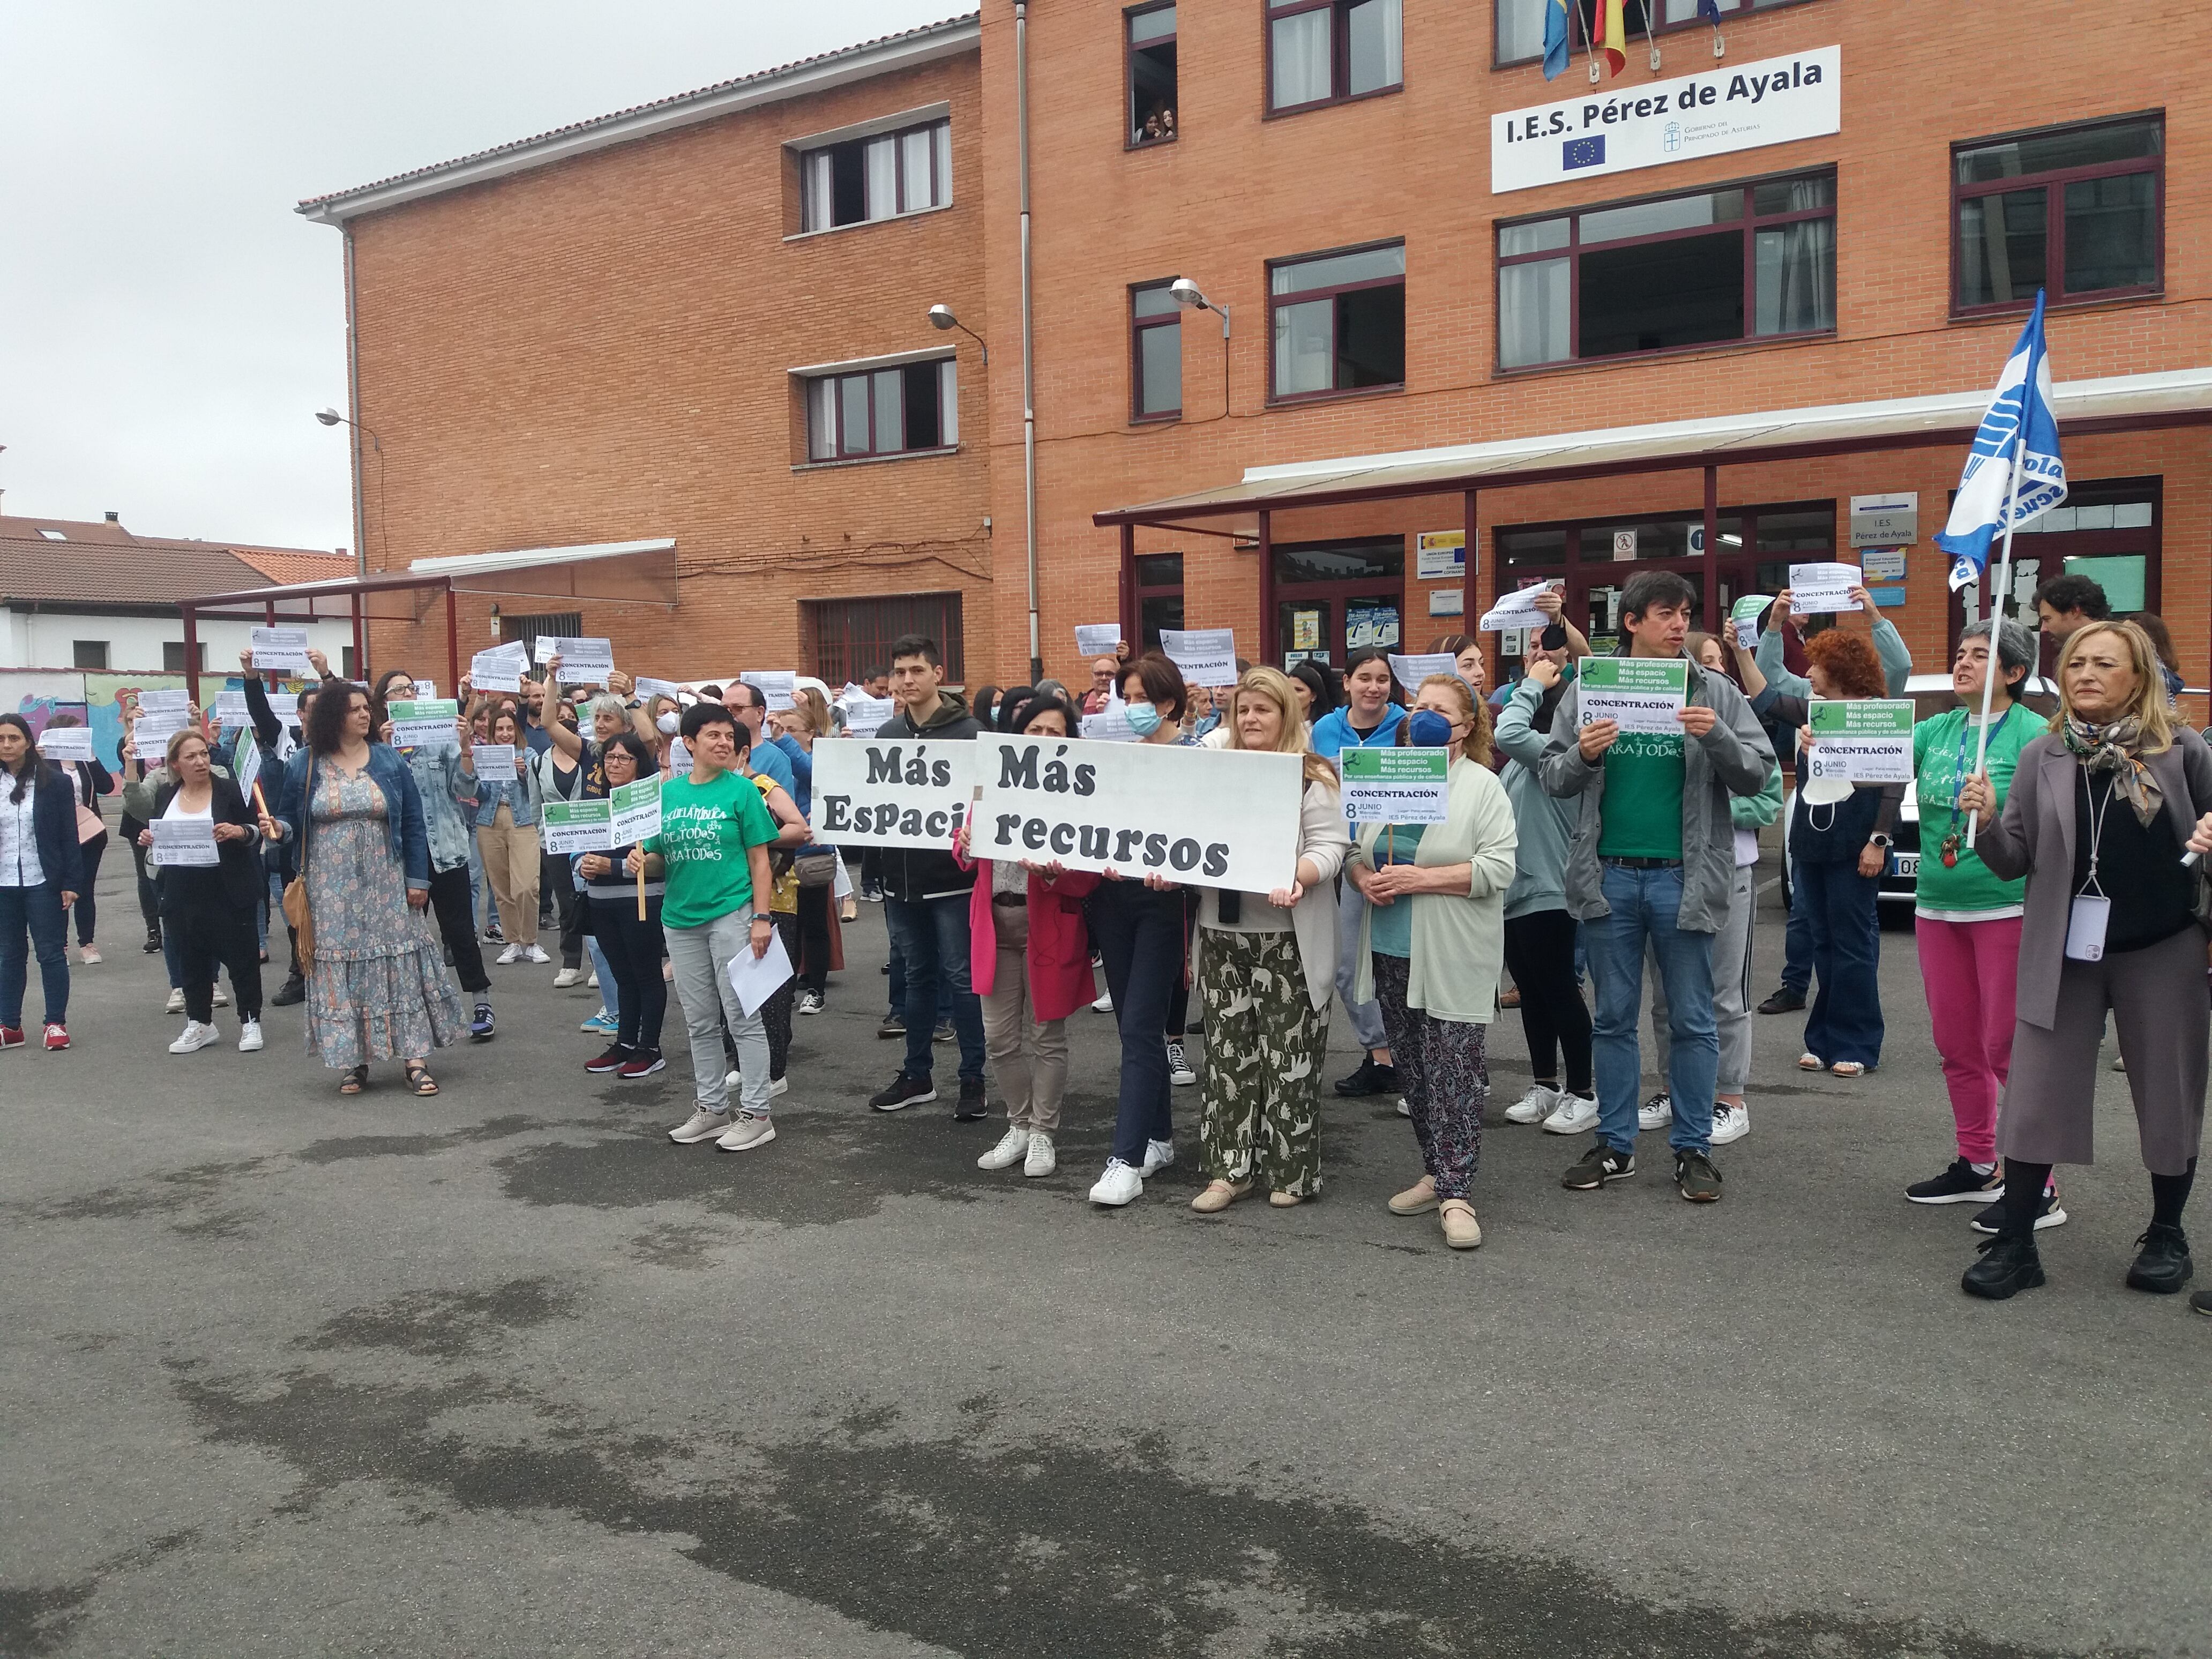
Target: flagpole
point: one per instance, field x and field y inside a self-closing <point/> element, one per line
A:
<point x="1995" y="665"/>
<point x="1589" y="50"/>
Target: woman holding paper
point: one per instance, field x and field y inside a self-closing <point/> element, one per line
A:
<point x="210" y="909"/>
<point x="88" y="780"/>
<point x="630" y="942"/>
<point x="507" y="835"/>
<point x="2103" y="808"/>
<point x="820" y="949"/>
<point x="1432" y="944"/>
<point x="376" y="982"/>
<point x="1370" y="716"/>
<point x="1266" y="973"/>
<point x="40" y="879"/>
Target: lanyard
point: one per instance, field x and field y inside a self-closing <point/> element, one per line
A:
<point x="1959" y="766"/>
<point x="2097" y="811"/>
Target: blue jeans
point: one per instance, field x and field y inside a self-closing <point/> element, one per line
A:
<point x="1796" y="941"/>
<point x="33" y="922"/>
<point x="897" y="986"/>
<point x="1845" y="932"/>
<point x="481" y="915"/>
<point x="1645" y="905"/>
<point x="932" y="936"/>
<point x="1139" y="933"/>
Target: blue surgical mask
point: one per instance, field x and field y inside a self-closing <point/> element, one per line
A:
<point x="1144" y="719"/>
<point x="1429" y="729"/>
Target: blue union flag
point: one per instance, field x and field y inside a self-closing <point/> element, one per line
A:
<point x="1583" y="153"/>
<point x="2018" y="430"/>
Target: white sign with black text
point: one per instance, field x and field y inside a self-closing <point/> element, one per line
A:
<point x="892" y="791"/>
<point x="1206" y="656"/>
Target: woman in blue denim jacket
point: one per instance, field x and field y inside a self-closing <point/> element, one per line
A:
<point x="507" y="814"/>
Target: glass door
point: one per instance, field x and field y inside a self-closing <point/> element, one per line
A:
<point x="1335" y="597"/>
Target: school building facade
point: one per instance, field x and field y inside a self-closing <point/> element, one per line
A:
<point x="1444" y="326"/>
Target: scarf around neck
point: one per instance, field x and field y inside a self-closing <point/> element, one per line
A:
<point x="2116" y="749"/>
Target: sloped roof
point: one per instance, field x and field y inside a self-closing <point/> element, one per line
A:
<point x="881" y="55"/>
<point x="104" y="563"/>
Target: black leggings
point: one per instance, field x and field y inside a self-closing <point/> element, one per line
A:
<point x="813" y="958"/>
<point x="632" y="949"/>
<point x="775" y="1012"/>
<point x="88" y="912"/>
<point x="556" y="876"/>
<point x="1540" y="950"/>
<point x="457" y="921"/>
<point x="210" y="934"/>
<point x="150" y="896"/>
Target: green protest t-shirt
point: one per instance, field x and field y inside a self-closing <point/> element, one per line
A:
<point x="706" y="831"/>
<point x="1943" y="753"/>
<point x="1642" y="807"/>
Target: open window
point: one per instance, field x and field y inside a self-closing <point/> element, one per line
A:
<point x="1338" y="322"/>
<point x="1151" y="45"/>
<point x="900" y="409"/>
<point x="880" y="176"/>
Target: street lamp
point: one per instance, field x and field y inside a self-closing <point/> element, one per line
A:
<point x="1185" y="292"/>
<point x="941" y="317"/>
<point x="332" y="417"/>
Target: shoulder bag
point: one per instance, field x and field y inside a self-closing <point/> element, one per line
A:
<point x="295" y="891"/>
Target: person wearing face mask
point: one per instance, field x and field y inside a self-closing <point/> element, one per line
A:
<point x="1370" y="717"/>
<point x="1142" y="931"/>
<point x="1267" y="974"/>
<point x="1432" y="947"/>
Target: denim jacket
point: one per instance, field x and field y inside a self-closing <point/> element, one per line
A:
<point x="408" y="841"/>
<point x="518" y="796"/>
<point x="444" y="788"/>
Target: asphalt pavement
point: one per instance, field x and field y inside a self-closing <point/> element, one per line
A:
<point x="504" y="1372"/>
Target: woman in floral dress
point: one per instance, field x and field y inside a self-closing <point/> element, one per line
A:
<point x="377" y="987"/>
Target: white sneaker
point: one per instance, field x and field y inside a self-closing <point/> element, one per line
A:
<point x="1730" y="1123"/>
<point x="1539" y="1103"/>
<point x="567" y="977"/>
<point x="535" y="955"/>
<point x="196" y="1038"/>
<point x="733" y="1080"/>
<point x="1158" y="1154"/>
<point x="1405" y="1106"/>
<point x="1574" y="1114"/>
<point x="249" y="1036"/>
<point x="702" y="1125"/>
<point x="176" y="1003"/>
<point x="592" y="983"/>
<point x="1014" y="1146"/>
<point x="509" y="957"/>
<point x="1655" y="1113"/>
<point x="1179" y="1071"/>
<point x="1120" y="1185"/>
<point x="1104" y="1004"/>
<point x="222" y="998"/>
<point x="777" y="1086"/>
<point x="1042" y="1160"/>
<point x="750" y="1130"/>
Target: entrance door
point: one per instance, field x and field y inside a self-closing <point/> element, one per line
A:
<point x="1335" y="597"/>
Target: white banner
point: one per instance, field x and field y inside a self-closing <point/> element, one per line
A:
<point x="1206" y="656"/>
<point x="1776" y="101"/>
<point x="1213" y="817"/>
<point x="1816" y="588"/>
<point x="892" y="791"/>
<point x="285" y="706"/>
<point x="284" y="649"/>
<point x="183" y="843"/>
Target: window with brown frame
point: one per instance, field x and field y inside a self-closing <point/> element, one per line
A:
<point x="876" y="177"/>
<point x="1520" y="38"/>
<point x="1151" y="49"/>
<point x="1155" y="354"/>
<point x="1324" y="51"/>
<point x="2078" y="211"/>
<point x="848" y="638"/>
<point x="1338" y="322"/>
<point x="1754" y="260"/>
<point x="903" y="409"/>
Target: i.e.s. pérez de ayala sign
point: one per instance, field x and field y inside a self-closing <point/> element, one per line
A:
<point x="1775" y="101"/>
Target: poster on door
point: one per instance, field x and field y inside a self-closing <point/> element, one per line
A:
<point x="1370" y="622"/>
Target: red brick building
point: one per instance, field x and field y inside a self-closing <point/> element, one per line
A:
<point x="1683" y="316"/>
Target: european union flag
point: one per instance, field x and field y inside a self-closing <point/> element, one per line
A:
<point x="1583" y="153"/>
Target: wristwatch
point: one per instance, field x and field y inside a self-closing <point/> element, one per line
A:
<point x="762" y="916"/>
<point x="1879" y="839"/>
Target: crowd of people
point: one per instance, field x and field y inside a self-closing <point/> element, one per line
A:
<point x="2059" y="884"/>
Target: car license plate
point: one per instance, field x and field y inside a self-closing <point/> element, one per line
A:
<point x="1904" y="864"/>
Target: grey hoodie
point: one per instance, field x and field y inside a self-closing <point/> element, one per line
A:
<point x="1545" y="823"/>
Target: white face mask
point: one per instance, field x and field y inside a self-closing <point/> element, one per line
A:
<point x="670" y="725"/>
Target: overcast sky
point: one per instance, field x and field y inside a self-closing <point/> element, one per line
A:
<point x="168" y="325"/>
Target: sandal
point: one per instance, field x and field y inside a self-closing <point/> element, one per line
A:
<point x="1809" y="1061"/>
<point x="1848" y="1068"/>
<point x="419" y="1080"/>
<point x="354" y="1081"/>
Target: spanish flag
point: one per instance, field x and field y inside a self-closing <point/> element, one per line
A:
<point x="1612" y="35"/>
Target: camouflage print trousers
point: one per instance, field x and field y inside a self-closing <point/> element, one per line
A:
<point x="1443" y="1072"/>
<point x="1265" y="1043"/>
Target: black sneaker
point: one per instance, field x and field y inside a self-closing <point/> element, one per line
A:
<point x="2202" y="1302"/>
<point x="291" y="992"/>
<point x="153" y="946"/>
<point x="894" y="1025"/>
<point x="613" y="1059"/>
<point x="2163" y="1266"/>
<point x="1600" y="1165"/>
<point x="1368" y="1080"/>
<point x="972" y="1106"/>
<point x="1784" y="1001"/>
<point x="492" y="935"/>
<point x="1960" y="1184"/>
<point x="1696" y="1178"/>
<point x="2008" y="1265"/>
<point x="481" y="1029"/>
<point x="943" y="1033"/>
<point x="1992" y="1220"/>
<point x="904" y="1091"/>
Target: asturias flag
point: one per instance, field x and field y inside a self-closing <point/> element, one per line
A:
<point x="1612" y="35"/>
<point x="2017" y="423"/>
<point x="1555" y="40"/>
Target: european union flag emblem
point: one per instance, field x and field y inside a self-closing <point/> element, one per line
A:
<point x="1583" y="153"/>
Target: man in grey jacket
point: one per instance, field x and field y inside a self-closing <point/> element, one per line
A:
<point x="1652" y="861"/>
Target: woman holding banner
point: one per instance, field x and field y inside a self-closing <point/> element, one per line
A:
<point x="1143" y="936"/>
<point x="507" y="835"/>
<point x="1370" y="716"/>
<point x="209" y="911"/>
<point x="1265" y="975"/>
<point x="1431" y="947"/>
<point x="40" y="879"/>
<point x="2103" y="809"/>
<point x="631" y="941"/>
<point x="376" y="988"/>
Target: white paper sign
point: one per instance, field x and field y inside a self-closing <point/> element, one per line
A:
<point x="183" y="843"/>
<point x="499" y="669"/>
<point x="679" y="758"/>
<point x="66" y="743"/>
<point x="162" y="700"/>
<point x="155" y="727"/>
<point x="637" y="809"/>
<point x="1412" y="670"/>
<point x="285" y="706"/>
<point x="493" y="763"/>
<point x="1641" y="694"/>
<point x="1096" y="639"/>
<point x="1860" y="739"/>
<point x="1389" y="785"/>
<point x="245" y="764"/>
<point x="1206" y="656"/>
<point x="425" y="723"/>
<point x="1815" y="588"/>
<point x="577" y="826"/>
<point x="586" y="661"/>
<point x="756" y="979"/>
<point x="865" y="716"/>
<point x="284" y="649"/>
<point x="1211" y="817"/>
<point x="775" y="688"/>
<point x="648" y="688"/>
<point x="1110" y="726"/>
<point x="1517" y="609"/>
<point x="892" y="791"/>
<point x="1776" y="101"/>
